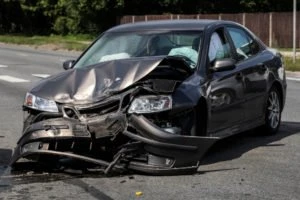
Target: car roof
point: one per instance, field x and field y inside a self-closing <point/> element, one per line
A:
<point x="168" y="25"/>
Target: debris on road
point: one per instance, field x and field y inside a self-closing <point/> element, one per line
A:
<point x="138" y="194"/>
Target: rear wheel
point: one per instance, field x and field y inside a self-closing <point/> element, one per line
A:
<point x="273" y="112"/>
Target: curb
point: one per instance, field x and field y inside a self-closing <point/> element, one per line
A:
<point x="293" y="79"/>
<point x="292" y="76"/>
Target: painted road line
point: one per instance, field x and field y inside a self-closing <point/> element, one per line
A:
<point x="23" y="54"/>
<point x="41" y="75"/>
<point x="3" y="66"/>
<point x="12" y="79"/>
<point x="293" y="79"/>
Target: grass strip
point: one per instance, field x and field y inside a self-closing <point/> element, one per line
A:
<point x="290" y="65"/>
<point x="54" y="42"/>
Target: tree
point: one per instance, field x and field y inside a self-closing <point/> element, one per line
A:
<point x="76" y="16"/>
<point x="10" y="16"/>
<point x="94" y="16"/>
<point x="36" y="19"/>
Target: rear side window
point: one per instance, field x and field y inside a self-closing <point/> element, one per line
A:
<point x="245" y="45"/>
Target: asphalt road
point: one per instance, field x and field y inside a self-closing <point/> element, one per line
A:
<point x="246" y="166"/>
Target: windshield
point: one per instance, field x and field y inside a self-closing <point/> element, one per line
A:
<point x="123" y="45"/>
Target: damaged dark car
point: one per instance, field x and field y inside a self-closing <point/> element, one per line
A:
<point x="153" y="97"/>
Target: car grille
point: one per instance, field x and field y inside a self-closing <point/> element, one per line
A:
<point x="101" y="109"/>
<point x="91" y="111"/>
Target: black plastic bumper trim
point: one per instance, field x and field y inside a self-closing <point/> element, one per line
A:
<point x="154" y="170"/>
<point x="70" y="155"/>
<point x="159" y="144"/>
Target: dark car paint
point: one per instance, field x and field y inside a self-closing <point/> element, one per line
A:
<point x="244" y="94"/>
<point x="91" y="84"/>
<point x="235" y="100"/>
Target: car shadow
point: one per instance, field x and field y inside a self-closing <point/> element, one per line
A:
<point x="235" y="146"/>
<point x="5" y="156"/>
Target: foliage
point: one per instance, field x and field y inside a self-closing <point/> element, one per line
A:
<point x="290" y="65"/>
<point x="93" y="16"/>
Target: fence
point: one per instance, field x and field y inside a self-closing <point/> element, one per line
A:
<point x="274" y="29"/>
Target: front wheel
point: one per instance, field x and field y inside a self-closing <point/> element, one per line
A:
<point x="272" y="112"/>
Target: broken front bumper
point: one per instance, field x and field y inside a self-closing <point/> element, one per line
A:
<point x="146" y="147"/>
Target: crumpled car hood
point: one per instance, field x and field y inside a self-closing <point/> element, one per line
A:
<point x="91" y="84"/>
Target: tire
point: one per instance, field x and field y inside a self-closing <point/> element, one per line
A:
<point x="272" y="112"/>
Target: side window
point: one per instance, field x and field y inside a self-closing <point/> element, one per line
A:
<point x="218" y="46"/>
<point x="245" y="45"/>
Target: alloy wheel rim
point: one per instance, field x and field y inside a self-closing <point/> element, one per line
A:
<point x="273" y="110"/>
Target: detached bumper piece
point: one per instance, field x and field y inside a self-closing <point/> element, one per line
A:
<point x="167" y="153"/>
<point x="141" y="146"/>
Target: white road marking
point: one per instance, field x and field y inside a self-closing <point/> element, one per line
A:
<point x="23" y="54"/>
<point x="41" y="75"/>
<point x="12" y="79"/>
<point x="293" y="79"/>
<point x="3" y="66"/>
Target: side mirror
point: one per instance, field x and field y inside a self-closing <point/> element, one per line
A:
<point x="224" y="65"/>
<point x="68" y="64"/>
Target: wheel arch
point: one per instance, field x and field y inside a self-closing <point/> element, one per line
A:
<point x="279" y="88"/>
<point x="202" y="113"/>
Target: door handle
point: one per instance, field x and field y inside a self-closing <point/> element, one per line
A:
<point x="239" y="76"/>
<point x="262" y="67"/>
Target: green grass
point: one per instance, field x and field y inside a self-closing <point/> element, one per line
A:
<point x="287" y="49"/>
<point x="290" y="65"/>
<point x="56" y="42"/>
<point x="81" y="42"/>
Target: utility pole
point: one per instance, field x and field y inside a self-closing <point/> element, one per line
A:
<point x="294" y="31"/>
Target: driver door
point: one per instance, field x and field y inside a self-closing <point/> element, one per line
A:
<point x="226" y="95"/>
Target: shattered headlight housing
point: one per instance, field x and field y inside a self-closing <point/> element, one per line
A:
<point x="39" y="103"/>
<point x="150" y="104"/>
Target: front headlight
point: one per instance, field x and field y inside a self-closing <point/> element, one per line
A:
<point x="39" y="103"/>
<point x="150" y="104"/>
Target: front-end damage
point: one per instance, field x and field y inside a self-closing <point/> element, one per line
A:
<point x="147" y="126"/>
